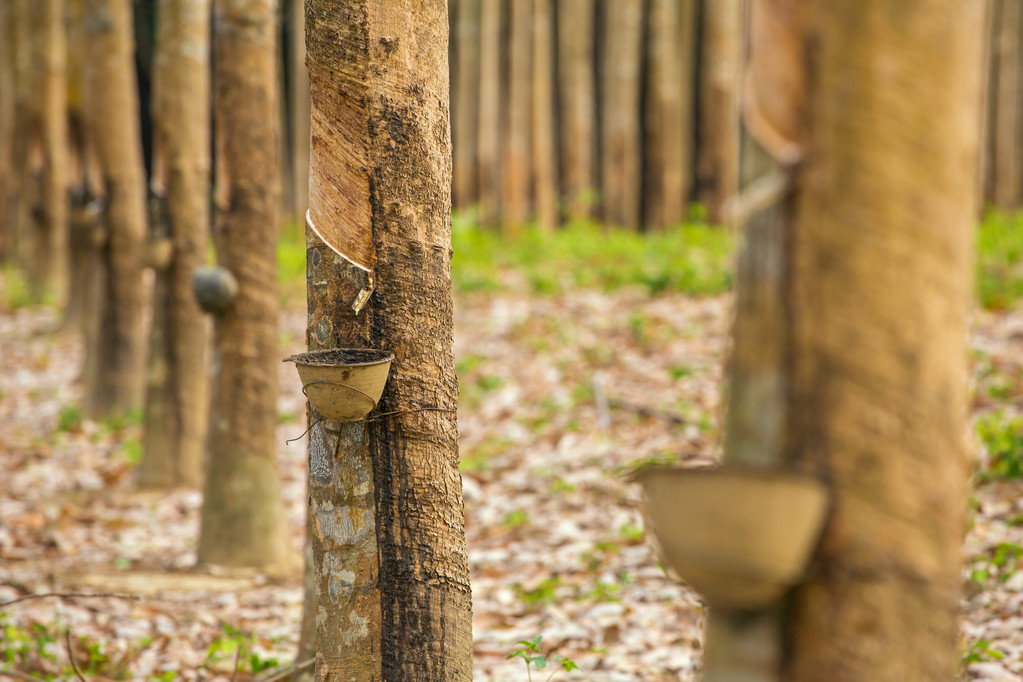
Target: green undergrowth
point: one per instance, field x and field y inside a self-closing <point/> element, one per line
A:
<point x="694" y="258"/>
<point x="1000" y="259"/>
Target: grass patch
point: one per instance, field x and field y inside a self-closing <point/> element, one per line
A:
<point x="1000" y="259"/>
<point x="694" y="258"/>
<point x="1003" y="439"/>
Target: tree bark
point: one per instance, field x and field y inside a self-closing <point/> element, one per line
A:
<point x="1007" y="133"/>
<point x="46" y="266"/>
<point x="667" y="173"/>
<point x="299" y="100"/>
<point x="8" y="180"/>
<point x="111" y="105"/>
<point x="543" y="153"/>
<point x="577" y="106"/>
<point x="718" y="155"/>
<point x="243" y="521"/>
<point x="176" y="396"/>
<point x="515" y="159"/>
<point x="851" y="326"/>
<point x="465" y="101"/>
<point x="385" y="495"/>
<point x="621" y="172"/>
<point x="488" y="129"/>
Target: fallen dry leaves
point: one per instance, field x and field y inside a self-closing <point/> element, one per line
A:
<point x="561" y="396"/>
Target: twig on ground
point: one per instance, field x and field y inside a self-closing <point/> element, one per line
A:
<point x="237" y="660"/>
<point x="14" y="674"/>
<point x="71" y="655"/>
<point x="290" y="670"/>
<point x="70" y="595"/>
<point x="644" y="411"/>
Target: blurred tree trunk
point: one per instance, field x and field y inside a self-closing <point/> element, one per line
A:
<point x="299" y="100"/>
<point x="621" y="143"/>
<point x="385" y="495"/>
<point x="25" y="189"/>
<point x="7" y="167"/>
<point x="577" y="105"/>
<point x="84" y="225"/>
<point x="667" y="101"/>
<point x="111" y="105"/>
<point x="515" y="157"/>
<point x="544" y="176"/>
<point x="46" y="267"/>
<point x="1007" y="124"/>
<point x="849" y="353"/>
<point x="489" y="114"/>
<point x="176" y="396"/>
<point x="718" y="153"/>
<point x="243" y="521"/>
<point x="465" y="101"/>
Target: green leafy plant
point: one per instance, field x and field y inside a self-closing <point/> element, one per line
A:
<point x="70" y="419"/>
<point x="1003" y="440"/>
<point x="237" y="647"/>
<point x="544" y="593"/>
<point x="529" y="651"/>
<point x="980" y="652"/>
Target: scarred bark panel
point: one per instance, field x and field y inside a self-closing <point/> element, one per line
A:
<point x="424" y="618"/>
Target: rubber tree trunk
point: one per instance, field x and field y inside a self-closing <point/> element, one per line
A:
<point x="666" y="114"/>
<point x="849" y="353"/>
<point x="8" y="179"/>
<point x="47" y="269"/>
<point x="465" y="101"/>
<point x="489" y="127"/>
<point x="577" y="106"/>
<point x="243" y="521"/>
<point x="112" y="105"/>
<point x="1007" y="124"/>
<point x="544" y="178"/>
<point x="299" y="105"/>
<point x="385" y="495"/>
<point x="515" y="157"/>
<point x="176" y="395"/>
<point x="718" y="154"/>
<point x="621" y="143"/>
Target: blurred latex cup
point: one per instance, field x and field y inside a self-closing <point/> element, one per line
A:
<point x="343" y="384"/>
<point x="738" y="536"/>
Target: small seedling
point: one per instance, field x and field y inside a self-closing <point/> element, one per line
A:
<point x="544" y="593"/>
<point x="529" y="652"/>
<point x="1003" y="439"/>
<point x="516" y="518"/>
<point x="70" y="419"/>
<point x="980" y="652"/>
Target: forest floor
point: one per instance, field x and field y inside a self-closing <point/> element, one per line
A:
<point x="562" y="395"/>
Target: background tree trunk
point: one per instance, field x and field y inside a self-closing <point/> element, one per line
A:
<point x="7" y="167"/>
<point x="544" y="176"/>
<point x="1007" y="131"/>
<point x="176" y="397"/>
<point x="489" y="129"/>
<point x="515" y="156"/>
<point x="385" y="496"/>
<point x="667" y="167"/>
<point x="243" y="521"/>
<point x="851" y="325"/>
<point x="718" y="155"/>
<point x="111" y="105"/>
<point x="621" y="143"/>
<point x="577" y="106"/>
<point x="299" y="101"/>
<point x="465" y="100"/>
